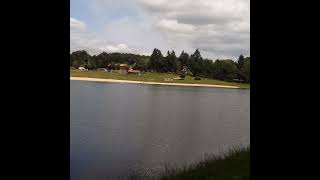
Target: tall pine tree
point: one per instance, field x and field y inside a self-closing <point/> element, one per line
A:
<point x="156" y="61"/>
<point x="240" y="61"/>
<point x="196" y="63"/>
<point x="171" y="62"/>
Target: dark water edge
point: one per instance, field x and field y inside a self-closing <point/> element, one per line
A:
<point x="231" y="165"/>
<point x="118" y="130"/>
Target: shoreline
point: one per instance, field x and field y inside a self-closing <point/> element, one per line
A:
<point x="152" y="83"/>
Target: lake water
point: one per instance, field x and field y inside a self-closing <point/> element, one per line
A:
<point x="117" y="129"/>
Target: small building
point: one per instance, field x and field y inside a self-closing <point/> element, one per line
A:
<point x="184" y="70"/>
<point x="123" y="67"/>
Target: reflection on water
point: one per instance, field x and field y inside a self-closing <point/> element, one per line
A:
<point x="117" y="128"/>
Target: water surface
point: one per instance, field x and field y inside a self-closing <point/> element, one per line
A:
<point x="119" y="128"/>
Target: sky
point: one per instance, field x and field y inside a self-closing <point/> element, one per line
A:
<point x="218" y="28"/>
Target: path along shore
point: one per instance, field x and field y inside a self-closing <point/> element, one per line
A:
<point x="154" y="83"/>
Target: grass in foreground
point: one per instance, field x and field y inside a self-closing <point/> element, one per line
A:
<point x="152" y="77"/>
<point x="234" y="165"/>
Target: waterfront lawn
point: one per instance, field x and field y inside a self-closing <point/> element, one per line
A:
<point x="152" y="77"/>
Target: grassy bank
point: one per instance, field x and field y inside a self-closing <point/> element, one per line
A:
<point x="152" y="77"/>
<point x="234" y="165"/>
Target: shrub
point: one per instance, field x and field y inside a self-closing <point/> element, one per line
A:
<point x="182" y="76"/>
<point x="197" y="78"/>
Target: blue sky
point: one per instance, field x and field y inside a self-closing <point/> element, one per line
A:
<point x="220" y="29"/>
<point x="97" y="13"/>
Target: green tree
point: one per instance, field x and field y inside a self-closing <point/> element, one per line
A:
<point x="183" y="58"/>
<point x="207" y="68"/>
<point x="80" y="58"/>
<point x="196" y="55"/>
<point x="171" y="62"/>
<point x="245" y="70"/>
<point x="220" y="69"/>
<point x="240" y="61"/>
<point x="156" y="62"/>
<point x="102" y="60"/>
<point x="142" y="63"/>
<point x="224" y="70"/>
<point x="196" y="63"/>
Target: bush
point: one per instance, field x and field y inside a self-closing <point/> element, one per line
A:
<point x="197" y="78"/>
<point x="182" y="76"/>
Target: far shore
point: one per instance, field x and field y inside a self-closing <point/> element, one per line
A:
<point x="152" y="83"/>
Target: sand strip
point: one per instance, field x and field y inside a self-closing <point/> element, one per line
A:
<point x="142" y="82"/>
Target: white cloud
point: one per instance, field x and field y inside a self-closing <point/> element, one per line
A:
<point x="82" y="39"/>
<point x="219" y="28"/>
<point x="140" y="34"/>
<point x="173" y="25"/>
<point x="200" y="11"/>
<point x="76" y="25"/>
<point x="116" y="48"/>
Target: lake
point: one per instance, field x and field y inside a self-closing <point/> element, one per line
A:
<point x="117" y="129"/>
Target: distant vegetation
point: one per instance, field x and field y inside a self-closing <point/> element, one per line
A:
<point x="226" y="70"/>
<point x="233" y="165"/>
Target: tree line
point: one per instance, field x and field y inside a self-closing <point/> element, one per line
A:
<point x="107" y="60"/>
<point x="226" y="69"/>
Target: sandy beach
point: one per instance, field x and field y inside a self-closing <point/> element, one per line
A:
<point x="152" y="83"/>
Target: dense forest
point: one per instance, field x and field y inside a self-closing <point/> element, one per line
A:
<point x="227" y="69"/>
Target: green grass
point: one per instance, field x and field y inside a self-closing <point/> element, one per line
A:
<point x="234" y="165"/>
<point x="152" y="77"/>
